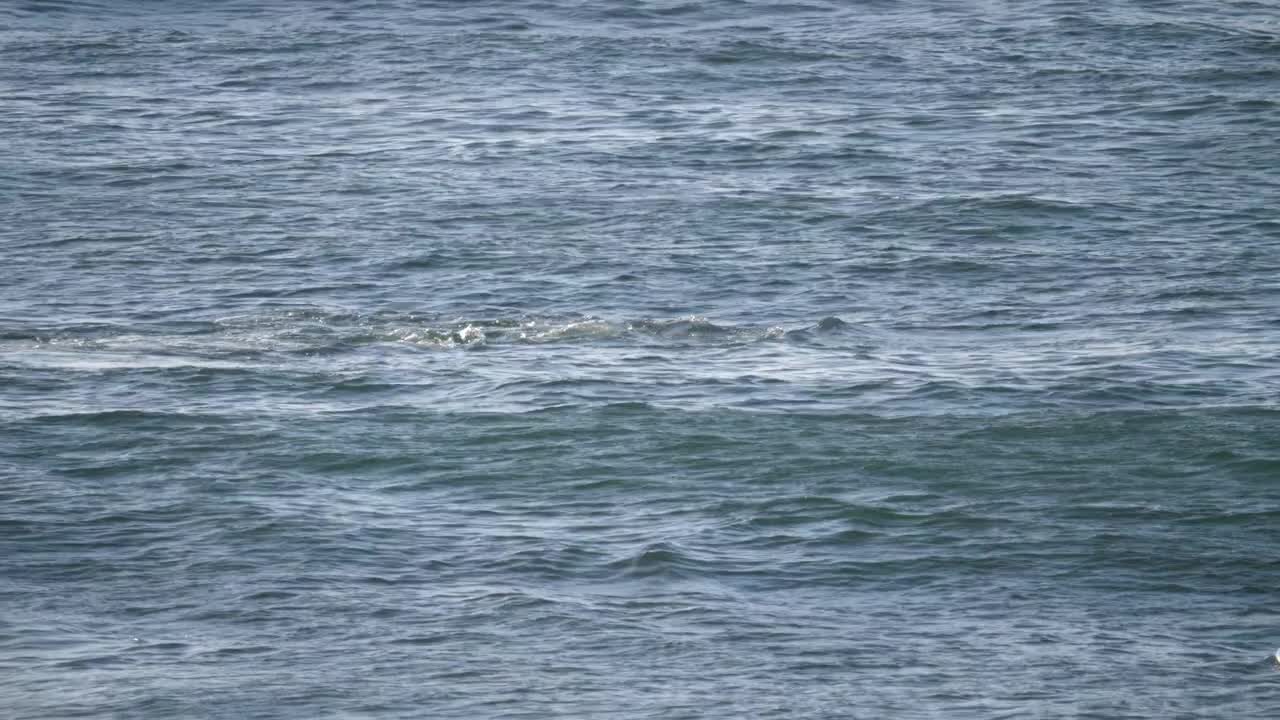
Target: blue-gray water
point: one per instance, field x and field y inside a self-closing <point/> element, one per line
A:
<point x="641" y="359"/>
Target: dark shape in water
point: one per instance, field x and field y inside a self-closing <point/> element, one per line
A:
<point x="832" y="324"/>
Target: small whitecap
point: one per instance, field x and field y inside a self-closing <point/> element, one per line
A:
<point x="471" y="335"/>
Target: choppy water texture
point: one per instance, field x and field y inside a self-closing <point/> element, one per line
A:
<point x="639" y="359"/>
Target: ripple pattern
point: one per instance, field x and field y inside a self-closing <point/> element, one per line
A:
<point x="644" y="359"/>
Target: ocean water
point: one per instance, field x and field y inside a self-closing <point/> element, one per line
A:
<point x="639" y="359"/>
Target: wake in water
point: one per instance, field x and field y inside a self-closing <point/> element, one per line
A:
<point x="313" y="330"/>
<point x="528" y="363"/>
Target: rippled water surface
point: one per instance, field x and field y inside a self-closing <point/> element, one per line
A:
<point x="639" y="359"/>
